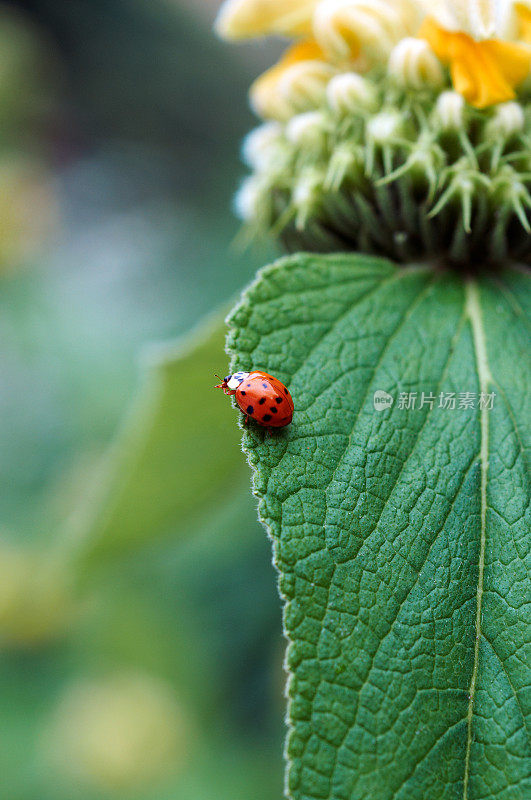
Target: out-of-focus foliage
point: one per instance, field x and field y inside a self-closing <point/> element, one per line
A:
<point x="127" y="112"/>
<point x="27" y="203"/>
<point x="35" y="601"/>
<point x="118" y="733"/>
<point x="168" y="464"/>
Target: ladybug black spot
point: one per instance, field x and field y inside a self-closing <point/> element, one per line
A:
<point x="262" y="401"/>
<point x="266" y="417"/>
<point x="278" y="399"/>
<point x="243" y="393"/>
<point x="250" y="410"/>
<point x="274" y="409"/>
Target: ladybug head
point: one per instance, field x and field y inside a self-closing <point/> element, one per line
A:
<point x="233" y="381"/>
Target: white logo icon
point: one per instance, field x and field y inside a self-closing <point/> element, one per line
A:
<point x="382" y="400"/>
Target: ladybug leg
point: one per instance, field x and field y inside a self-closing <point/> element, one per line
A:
<point x="245" y="420"/>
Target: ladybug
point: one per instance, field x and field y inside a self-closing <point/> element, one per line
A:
<point x="261" y="397"/>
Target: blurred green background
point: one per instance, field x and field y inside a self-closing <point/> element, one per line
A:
<point x="140" y="645"/>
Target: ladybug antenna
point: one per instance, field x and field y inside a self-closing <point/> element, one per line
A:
<point x="219" y="385"/>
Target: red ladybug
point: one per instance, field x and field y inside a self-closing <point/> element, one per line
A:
<point x="261" y="397"/>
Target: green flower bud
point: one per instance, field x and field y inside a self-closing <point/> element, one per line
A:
<point x="508" y="120"/>
<point x="413" y="64"/>
<point x="449" y="111"/>
<point x="350" y="92"/>
<point x="261" y="148"/>
<point x="307" y="130"/>
<point x="385" y="128"/>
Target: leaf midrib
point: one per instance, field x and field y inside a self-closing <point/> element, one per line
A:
<point x="473" y="311"/>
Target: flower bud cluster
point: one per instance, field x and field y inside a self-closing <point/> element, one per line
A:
<point x="408" y="176"/>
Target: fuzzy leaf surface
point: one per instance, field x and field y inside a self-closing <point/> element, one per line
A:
<point x="400" y="536"/>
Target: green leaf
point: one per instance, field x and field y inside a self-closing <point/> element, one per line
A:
<point x="176" y="457"/>
<point x="399" y="535"/>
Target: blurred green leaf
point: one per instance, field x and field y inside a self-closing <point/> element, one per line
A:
<point x="177" y="455"/>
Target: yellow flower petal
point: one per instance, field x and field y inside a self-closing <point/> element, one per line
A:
<point x="240" y="19"/>
<point x="297" y="83"/>
<point x="513" y="59"/>
<point x="485" y="72"/>
<point x="523" y="12"/>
